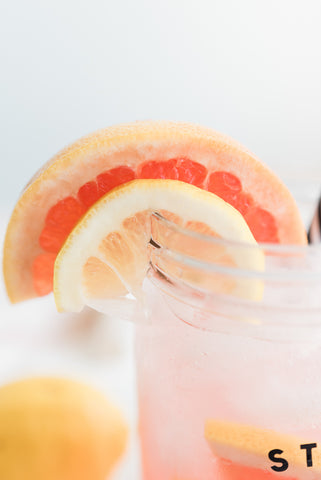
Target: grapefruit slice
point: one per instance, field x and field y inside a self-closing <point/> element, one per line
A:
<point x="63" y="190"/>
<point x="109" y="246"/>
<point x="246" y="448"/>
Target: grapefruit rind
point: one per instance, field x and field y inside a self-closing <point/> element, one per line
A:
<point x="107" y="215"/>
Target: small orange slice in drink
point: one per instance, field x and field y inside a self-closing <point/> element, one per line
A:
<point x="244" y="451"/>
<point x="107" y="252"/>
<point x="61" y="193"/>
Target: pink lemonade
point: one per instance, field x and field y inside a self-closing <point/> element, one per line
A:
<point x="208" y="358"/>
<point x="234" y="471"/>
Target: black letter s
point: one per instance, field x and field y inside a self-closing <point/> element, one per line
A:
<point x="284" y="464"/>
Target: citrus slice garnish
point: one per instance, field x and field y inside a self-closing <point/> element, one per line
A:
<point x="60" y="194"/>
<point x="256" y="449"/>
<point x="107" y="252"/>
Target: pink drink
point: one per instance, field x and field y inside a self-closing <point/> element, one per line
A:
<point x="205" y="356"/>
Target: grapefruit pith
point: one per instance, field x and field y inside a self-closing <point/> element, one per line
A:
<point x="60" y="194"/>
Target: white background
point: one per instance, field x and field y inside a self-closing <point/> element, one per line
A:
<point x="248" y="68"/>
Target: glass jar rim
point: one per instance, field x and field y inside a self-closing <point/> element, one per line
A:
<point x="309" y="270"/>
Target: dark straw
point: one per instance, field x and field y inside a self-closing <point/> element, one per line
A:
<point x="314" y="233"/>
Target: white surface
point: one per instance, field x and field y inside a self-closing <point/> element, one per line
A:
<point x="35" y="340"/>
<point x="248" y="68"/>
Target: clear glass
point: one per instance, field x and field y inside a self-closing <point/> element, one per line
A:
<point x="229" y="360"/>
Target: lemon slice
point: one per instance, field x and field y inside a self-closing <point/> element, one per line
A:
<point x="250" y="446"/>
<point x="107" y="255"/>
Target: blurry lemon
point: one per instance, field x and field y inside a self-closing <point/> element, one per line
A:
<point x="58" y="429"/>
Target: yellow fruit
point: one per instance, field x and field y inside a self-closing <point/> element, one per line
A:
<point x="114" y="235"/>
<point x="58" y="429"/>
